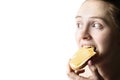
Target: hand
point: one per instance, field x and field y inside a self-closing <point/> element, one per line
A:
<point x="74" y="75"/>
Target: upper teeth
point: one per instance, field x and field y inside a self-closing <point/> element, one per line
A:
<point x="87" y="46"/>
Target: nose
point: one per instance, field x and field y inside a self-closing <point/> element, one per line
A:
<point x="86" y="36"/>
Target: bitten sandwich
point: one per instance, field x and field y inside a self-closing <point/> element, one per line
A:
<point x="80" y="58"/>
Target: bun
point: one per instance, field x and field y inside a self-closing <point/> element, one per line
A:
<point x="81" y="57"/>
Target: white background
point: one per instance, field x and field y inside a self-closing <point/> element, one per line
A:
<point x="36" y="38"/>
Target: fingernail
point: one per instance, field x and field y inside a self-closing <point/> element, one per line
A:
<point x="75" y="71"/>
<point x="90" y="63"/>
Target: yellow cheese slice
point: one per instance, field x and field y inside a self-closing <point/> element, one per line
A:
<point x="81" y="57"/>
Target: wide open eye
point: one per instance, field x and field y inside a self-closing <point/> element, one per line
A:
<point x="97" y="25"/>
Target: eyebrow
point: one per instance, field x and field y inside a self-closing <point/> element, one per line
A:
<point x="94" y="17"/>
<point x="77" y="16"/>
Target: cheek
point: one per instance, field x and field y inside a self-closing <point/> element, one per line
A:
<point x="77" y="34"/>
<point x="103" y="42"/>
<point x="77" y="38"/>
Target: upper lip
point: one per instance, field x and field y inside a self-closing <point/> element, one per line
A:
<point x="89" y="45"/>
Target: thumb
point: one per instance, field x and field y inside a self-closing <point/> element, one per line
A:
<point x="96" y="75"/>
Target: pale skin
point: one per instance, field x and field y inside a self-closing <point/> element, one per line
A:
<point x="95" y="28"/>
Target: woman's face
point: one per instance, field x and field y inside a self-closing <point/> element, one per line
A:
<point x="95" y="28"/>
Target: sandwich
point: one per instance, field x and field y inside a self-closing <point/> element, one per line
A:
<point x="81" y="57"/>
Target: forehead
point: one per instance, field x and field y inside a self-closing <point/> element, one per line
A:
<point x="92" y="8"/>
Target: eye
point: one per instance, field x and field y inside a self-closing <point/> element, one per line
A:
<point x="79" y="25"/>
<point x="97" y="26"/>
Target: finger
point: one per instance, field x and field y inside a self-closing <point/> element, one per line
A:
<point x="79" y="71"/>
<point x="94" y="71"/>
<point x="69" y="69"/>
<point x="74" y="76"/>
